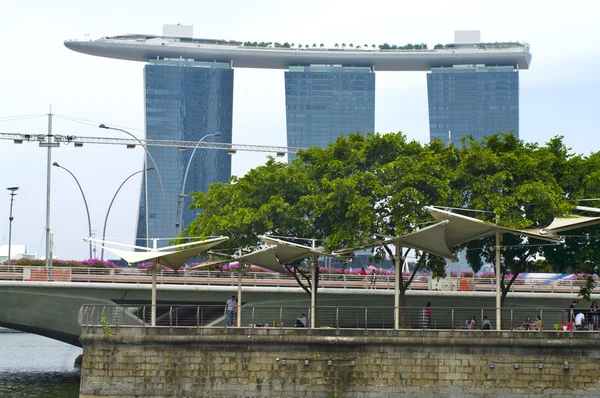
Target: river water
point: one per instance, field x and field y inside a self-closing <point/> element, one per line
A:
<point x="36" y="367"/>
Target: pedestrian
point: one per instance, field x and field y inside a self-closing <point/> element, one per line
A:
<point x="571" y="310"/>
<point x="301" y="321"/>
<point x="230" y="307"/>
<point x="473" y="324"/>
<point x="373" y="279"/>
<point x="486" y="324"/>
<point x="537" y="325"/>
<point x="363" y="275"/>
<point x="427" y="314"/>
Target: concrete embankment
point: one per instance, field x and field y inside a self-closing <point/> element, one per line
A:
<point x="274" y="362"/>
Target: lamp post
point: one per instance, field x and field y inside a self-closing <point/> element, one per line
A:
<point x="87" y="210"/>
<point x="182" y="195"/>
<point x="10" y="220"/>
<point x="111" y="203"/>
<point x="162" y="189"/>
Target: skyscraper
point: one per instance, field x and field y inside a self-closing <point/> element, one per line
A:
<point x="323" y="102"/>
<point x="185" y="100"/>
<point x="476" y="100"/>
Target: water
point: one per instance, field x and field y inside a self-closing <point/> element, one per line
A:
<point x="36" y="367"/>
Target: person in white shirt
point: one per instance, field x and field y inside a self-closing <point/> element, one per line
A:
<point x="579" y="320"/>
<point x="230" y="310"/>
<point x="301" y="321"/>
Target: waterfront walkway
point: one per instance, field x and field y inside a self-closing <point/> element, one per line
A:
<point x="268" y="279"/>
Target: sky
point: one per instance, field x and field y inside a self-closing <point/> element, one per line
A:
<point x="559" y="94"/>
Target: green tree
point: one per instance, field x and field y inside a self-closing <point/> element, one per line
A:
<point x="516" y="186"/>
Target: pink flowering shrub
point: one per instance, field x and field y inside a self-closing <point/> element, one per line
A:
<point x="91" y="263"/>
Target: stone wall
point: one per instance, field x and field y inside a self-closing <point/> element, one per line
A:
<point x="270" y="362"/>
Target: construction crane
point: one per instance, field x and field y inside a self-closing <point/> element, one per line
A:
<point x="77" y="141"/>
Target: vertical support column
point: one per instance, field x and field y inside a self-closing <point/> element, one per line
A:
<point x="239" y="296"/>
<point x="153" y="303"/>
<point x="48" y="185"/>
<point x="313" y="291"/>
<point x="498" y="290"/>
<point x="397" y="256"/>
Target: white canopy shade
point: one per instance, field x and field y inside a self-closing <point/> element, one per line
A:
<point x="462" y="229"/>
<point x="165" y="255"/>
<point x="266" y="258"/>
<point x="274" y="257"/>
<point x="429" y="239"/>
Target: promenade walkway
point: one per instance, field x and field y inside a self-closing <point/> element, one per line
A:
<point x="267" y="279"/>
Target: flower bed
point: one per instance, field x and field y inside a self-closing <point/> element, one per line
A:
<point x="91" y="263"/>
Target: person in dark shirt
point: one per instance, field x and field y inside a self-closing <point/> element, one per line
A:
<point x="571" y="310"/>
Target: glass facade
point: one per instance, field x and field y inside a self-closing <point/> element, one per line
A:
<point x="185" y="101"/>
<point x="323" y="102"/>
<point x="473" y="100"/>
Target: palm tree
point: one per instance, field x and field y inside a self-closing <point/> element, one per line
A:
<point x="351" y="45"/>
<point x="337" y="45"/>
<point x="322" y="45"/>
<point x="314" y="45"/>
<point x="343" y="45"/>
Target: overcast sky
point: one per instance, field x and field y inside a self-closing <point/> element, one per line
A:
<point x="559" y="94"/>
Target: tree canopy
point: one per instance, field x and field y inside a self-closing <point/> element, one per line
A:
<point x="364" y="185"/>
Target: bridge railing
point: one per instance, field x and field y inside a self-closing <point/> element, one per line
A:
<point x="335" y="317"/>
<point x="230" y="278"/>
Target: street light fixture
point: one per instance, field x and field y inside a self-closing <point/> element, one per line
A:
<point x="87" y="210"/>
<point x="162" y="189"/>
<point x="182" y="195"/>
<point x="111" y="203"/>
<point x="10" y="220"/>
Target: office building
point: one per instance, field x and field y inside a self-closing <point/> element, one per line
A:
<point x="323" y="102"/>
<point x="184" y="100"/>
<point x="476" y="100"/>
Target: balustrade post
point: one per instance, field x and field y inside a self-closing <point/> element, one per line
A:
<point x="281" y="317"/>
<point x="511" y="319"/>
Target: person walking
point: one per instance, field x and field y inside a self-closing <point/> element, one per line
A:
<point x="230" y="306"/>
<point x="571" y="310"/>
<point x="427" y="314"/>
<point x="373" y="279"/>
<point x="363" y="275"/>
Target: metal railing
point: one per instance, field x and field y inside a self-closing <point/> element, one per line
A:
<point x="271" y="279"/>
<point x="341" y="317"/>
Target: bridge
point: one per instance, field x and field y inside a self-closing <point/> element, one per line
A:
<point x="47" y="304"/>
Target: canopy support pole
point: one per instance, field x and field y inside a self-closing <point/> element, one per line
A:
<point x="498" y="290"/>
<point x="153" y="309"/>
<point x="239" y="296"/>
<point x="397" y="256"/>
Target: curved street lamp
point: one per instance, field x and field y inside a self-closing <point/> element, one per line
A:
<point x="10" y="220"/>
<point x="87" y="210"/>
<point x="162" y="188"/>
<point x="111" y="203"/>
<point x="182" y="195"/>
